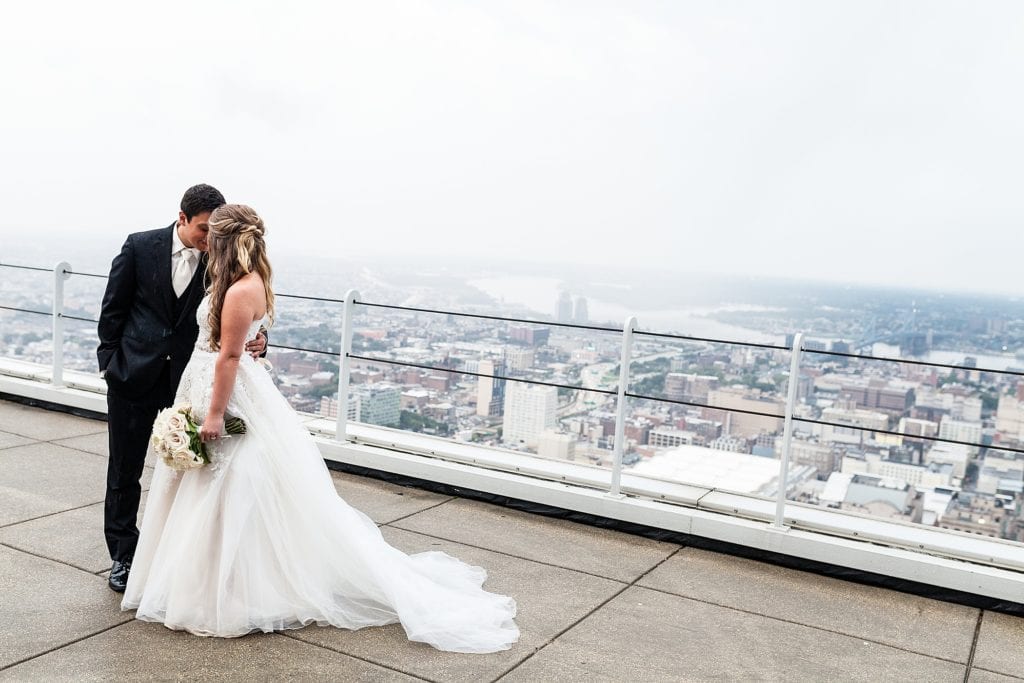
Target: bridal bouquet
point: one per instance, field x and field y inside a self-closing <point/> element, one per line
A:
<point x="176" y="437"/>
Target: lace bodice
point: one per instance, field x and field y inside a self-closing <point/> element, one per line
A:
<point x="203" y="318"/>
<point x="196" y="386"/>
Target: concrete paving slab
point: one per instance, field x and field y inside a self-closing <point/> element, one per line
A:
<point x="383" y="502"/>
<point x="43" y="478"/>
<point x="549" y="599"/>
<point x="98" y="445"/>
<point x="45" y="425"/>
<point x="651" y="636"/>
<point x="982" y="676"/>
<point x="92" y="443"/>
<point x="930" y="627"/>
<point x="612" y="554"/>
<point x="1001" y="644"/>
<point x="139" y="651"/>
<point x="46" y="604"/>
<point x="8" y="440"/>
<point x="74" y="537"/>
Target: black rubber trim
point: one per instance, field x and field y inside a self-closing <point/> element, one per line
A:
<point x="55" y="407"/>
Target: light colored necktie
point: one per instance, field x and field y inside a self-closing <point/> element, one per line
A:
<point x="183" y="272"/>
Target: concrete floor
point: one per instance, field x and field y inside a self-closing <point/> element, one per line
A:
<point x="594" y="604"/>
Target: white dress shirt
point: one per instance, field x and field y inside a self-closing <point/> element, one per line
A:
<point x="179" y="253"/>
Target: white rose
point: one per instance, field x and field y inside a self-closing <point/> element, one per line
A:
<point x="158" y="443"/>
<point x="183" y="455"/>
<point x="173" y="462"/>
<point x="176" y="422"/>
<point x="178" y="461"/>
<point x="160" y="423"/>
<point x="176" y="441"/>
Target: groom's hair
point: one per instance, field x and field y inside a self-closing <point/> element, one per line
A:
<point x="200" y="198"/>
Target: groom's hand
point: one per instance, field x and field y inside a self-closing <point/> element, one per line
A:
<point x="257" y="346"/>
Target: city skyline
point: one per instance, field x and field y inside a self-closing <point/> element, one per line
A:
<point x="928" y="443"/>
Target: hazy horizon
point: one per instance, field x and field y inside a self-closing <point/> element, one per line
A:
<point x="93" y="255"/>
<point x="873" y="144"/>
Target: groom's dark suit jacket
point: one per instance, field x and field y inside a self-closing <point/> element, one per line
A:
<point x="143" y="325"/>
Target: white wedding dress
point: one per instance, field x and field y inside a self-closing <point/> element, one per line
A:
<point x="259" y="540"/>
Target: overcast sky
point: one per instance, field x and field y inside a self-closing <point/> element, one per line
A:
<point x="878" y="142"/>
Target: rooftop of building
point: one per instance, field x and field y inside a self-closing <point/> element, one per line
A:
<point x="594" y="604"/>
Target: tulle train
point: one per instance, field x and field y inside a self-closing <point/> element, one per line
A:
<point x="259" y="540"/>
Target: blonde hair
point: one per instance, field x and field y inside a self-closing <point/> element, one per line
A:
<point x="236" y="249"/>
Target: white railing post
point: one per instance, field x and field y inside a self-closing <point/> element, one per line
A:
<point x="620" y="406"/>
<point x="341" y="425"/>
<point x="61" y="272"/>
<point x="787" y="433"/>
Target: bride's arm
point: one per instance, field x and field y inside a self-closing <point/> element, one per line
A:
<point x="235" y="317"/>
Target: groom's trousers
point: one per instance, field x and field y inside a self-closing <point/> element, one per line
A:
<point x="129" y="425"/>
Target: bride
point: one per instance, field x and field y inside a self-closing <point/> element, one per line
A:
<point x="258" y="540"/>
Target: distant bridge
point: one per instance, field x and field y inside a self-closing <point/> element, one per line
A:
<point x="906" y="336"/>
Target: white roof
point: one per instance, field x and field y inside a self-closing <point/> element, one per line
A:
<point x="738" y="472"/>
<point x="836" y="486"/>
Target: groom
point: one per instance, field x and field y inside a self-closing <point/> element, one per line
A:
<point x="147" y="329"/>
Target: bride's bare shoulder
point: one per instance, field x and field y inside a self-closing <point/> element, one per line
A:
<point x="249" y="292"/>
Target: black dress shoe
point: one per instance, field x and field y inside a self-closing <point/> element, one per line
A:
<point x="118" y="580"/>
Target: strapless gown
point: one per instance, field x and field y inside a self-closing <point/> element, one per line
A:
<point x="259" y="540"/>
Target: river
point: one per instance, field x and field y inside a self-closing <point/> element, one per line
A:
<point x="540" y="294"/>
<point x="989" y="361"/>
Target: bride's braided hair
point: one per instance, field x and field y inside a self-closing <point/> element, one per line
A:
<point x="236" y="249"/>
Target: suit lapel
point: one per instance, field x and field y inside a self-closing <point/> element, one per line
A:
<point x="162" y="252"/>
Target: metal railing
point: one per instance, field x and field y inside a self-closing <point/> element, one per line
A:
<point x="62" y="271"/>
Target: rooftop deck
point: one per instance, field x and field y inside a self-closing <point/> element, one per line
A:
<point x="594" y="604"/>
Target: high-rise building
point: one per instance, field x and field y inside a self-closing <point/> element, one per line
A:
<point x="729" y="443"/>
<point x="551" y="444"/>
<point x="745" y="424"/>
<point x="529" y="411"/>
<point x="563" y="308"/>
<point x="531" y="336"/>
<point x="689" y="387"/>
<point x="666" y="437"/>
<point x="1010" y="415"/>
<point x="378" y="404"/>
<point x="490" y="391"/>
<point x="580" y="315"/>
<point x="822" y="457"/>
<point x="860" y="422"/>
<point x="329" y="408"/>
<point x="518" y="358"/>
<point x="960" y="430"/>
<point x="876" y="394"/>
<point x="967" y="409"/>
<point x="922" y="476"/>
<point x="1001" y="472"/>
<point x="953" y="454"/>
<point x="916" y="427"/>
